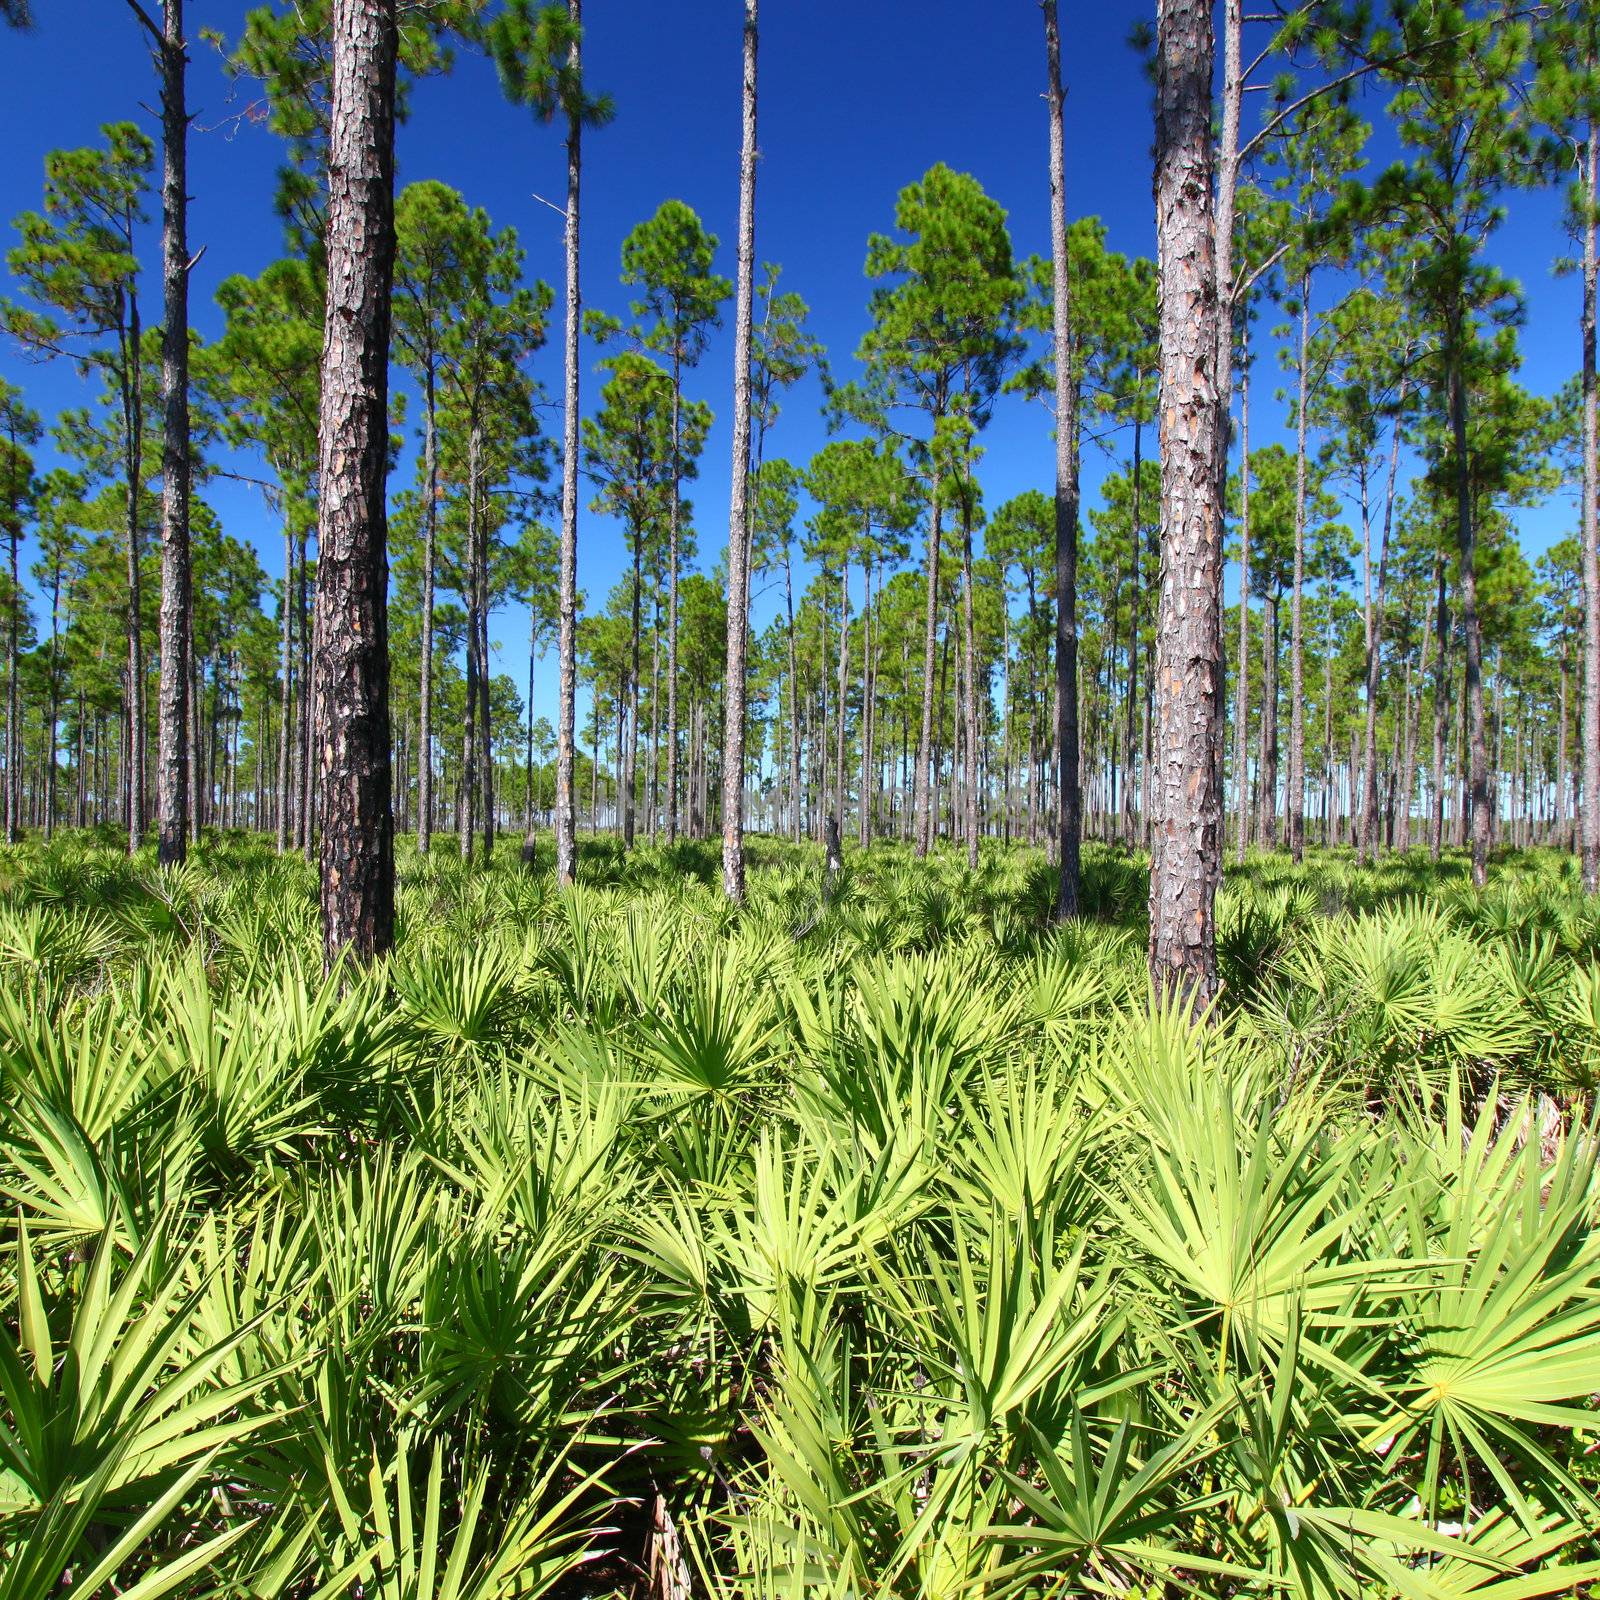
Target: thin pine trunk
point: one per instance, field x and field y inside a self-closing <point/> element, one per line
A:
<point x="172" y="763"/>
<point x="1297" y="657"/>
<point x="739" y="494"/>
<point x="1591" y="538"/>
<point x="1069" y="816"/>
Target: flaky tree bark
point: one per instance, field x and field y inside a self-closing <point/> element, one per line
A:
<point x="1185" y="781"/>
<point x="1590" y="825"/>
<point x="1069" y="804"/>
<point x="739" y="496"/>
<point x="172" y="761"/>
<point x="351" y="696"/>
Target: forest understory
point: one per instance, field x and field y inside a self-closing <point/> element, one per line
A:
<point x="882" y="1236"/>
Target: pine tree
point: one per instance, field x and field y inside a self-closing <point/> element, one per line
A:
<point x="942" y="338"/>
<point x="668" y="258"/>
<point x="1460" y="114"/>
<point x="77" y="258"/>
<point x="540" y="61"/>
<point x="19" y="428"/>
<point x="172" y="759"/>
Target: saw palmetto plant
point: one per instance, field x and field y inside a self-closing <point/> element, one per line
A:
<point x="611" y="1243"/>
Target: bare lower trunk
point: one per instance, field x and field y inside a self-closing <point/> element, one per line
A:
<point x="13" y="795"/>
<point x="922" y="787"/>
<point x="1185" y="783"/>
<point x="674" y="510"/>
<point x="1472" y="636"/>
<point x="352" y="646"/>
<point x="485" y="728"/>
<point x="1441" y="685"/>
<point x="286" y="728"/>
<point x="55" y="703"/>
<point x="1137" y="534"/>
<point x="1267" y="765"/>
<point x="430" y="537"/>
<point x="739" y="497"/>
<point x="794" y="703"/>
<point x="844" y="670"/>
<point x="1374" y="643"/>
<point x="969" y="686"/>
<point x="1297" y="655"/>
<point x="567" y="603"/>
<point x="172" y="762"/>
<point x="133" y="413"/>
<point x="1241" y="703"/>
<point x="1590" y="826"/>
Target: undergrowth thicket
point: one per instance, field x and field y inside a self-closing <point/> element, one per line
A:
<point x="619" y="1242"/>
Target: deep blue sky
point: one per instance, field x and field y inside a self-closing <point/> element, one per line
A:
<point x="857" y="99"/>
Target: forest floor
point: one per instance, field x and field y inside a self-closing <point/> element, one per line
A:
<point x="888" y="1242"/>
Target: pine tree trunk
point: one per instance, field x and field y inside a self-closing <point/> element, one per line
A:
<point x="969" y="690"/>
<point x="1441" y="683"/>
<point x="1222" y="228"/>
<point x="739" y="495"/>
<point x="1591" y="538"/>
<point x="352" y="647"/>
<point x="1069" y="818"/>
<point x="794" y="700"/>
<point x="172" y="763"/>
<point x="52" y="736"/>
<point x="1184" y="781"/>
<point x="868" y="799"/>
<point x="1267" y="764"/>
<point x="1241" y="703"/>
<point x="133" y="445"/>
<point x="1130" y="822"/>
<point x="1297" y="654"/>
<point x="674" y="510"/>
<point x="844" y="678"/>
<point x="1374" y="643"/>
<point x="567" y="603"/>
<point x="923" y="803"/>
<point x="630" y="757"/>
<point x="430" y="541"/>
<point x="1472" y="635"/>
<point x="13" y="795"/>
<point x="1069" y="815"/>
<point x="485" y="725"/>
<point x="286" y="724"/>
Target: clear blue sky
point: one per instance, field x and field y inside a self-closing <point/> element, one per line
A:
<point x="857" y="99"/>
